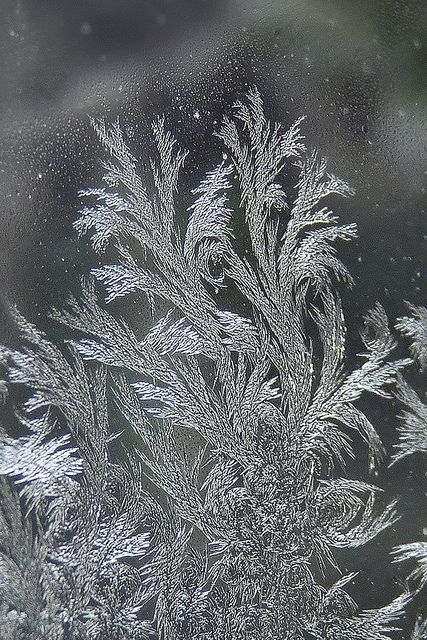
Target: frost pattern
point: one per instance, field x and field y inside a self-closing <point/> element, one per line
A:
<point x="420" y="630"/>
<point x="207" y="498"/>
<point x="415" y="327"/>
<point x="413" y="440"/>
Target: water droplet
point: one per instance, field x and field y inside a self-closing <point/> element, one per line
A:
<point x="85" y="29"/>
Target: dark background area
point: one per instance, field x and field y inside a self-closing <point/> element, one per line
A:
<point x="355" y="69"/>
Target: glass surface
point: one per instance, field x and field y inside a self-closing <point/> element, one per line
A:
<point x="355" y="72"/>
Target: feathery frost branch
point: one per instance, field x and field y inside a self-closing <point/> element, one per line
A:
<point x="413" y="433"/>
<point x="187" y="480"/>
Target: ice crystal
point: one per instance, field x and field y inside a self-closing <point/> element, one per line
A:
<point x="187" y="480"/>
<point x="413" y="441"/>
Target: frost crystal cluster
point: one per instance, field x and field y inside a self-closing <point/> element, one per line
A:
<point x="413" y="439"/>
<point x="185" y="478"/>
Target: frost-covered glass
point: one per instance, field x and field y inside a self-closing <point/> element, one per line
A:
<point x="215" y="339"/>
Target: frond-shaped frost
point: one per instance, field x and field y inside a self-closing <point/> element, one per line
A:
<point x="414" y="551"/>
<point x="114" y="217"/>
<point x="420" y="630"/>
<point x="168" y="337"/>
<point x="350" y="520"/>
<point x="333" y="401"/>
<point x="319" y="225"/>
<point x="413" y="428"/>
<point x="42" y="367"/>
<point x="260" y="160"/>
<point x="125" y="278"/>
<point x="375" y="375"/>
<point x="415" y="328"/>
<point x="29" y="607"/>
<point x="208" y="228"/>
<point x="336" y="595"/>
<point x="201" y="499"/>
<point x="314" y="261"/>
<point x="41" y="467"/>
<point x="375" y="624"/>
<point x="166" y="174"/>
<point x="241" y="335"/>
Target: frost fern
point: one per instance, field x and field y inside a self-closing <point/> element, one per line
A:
<point x="218" y="514"/>
<point x="413" y="441"/>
